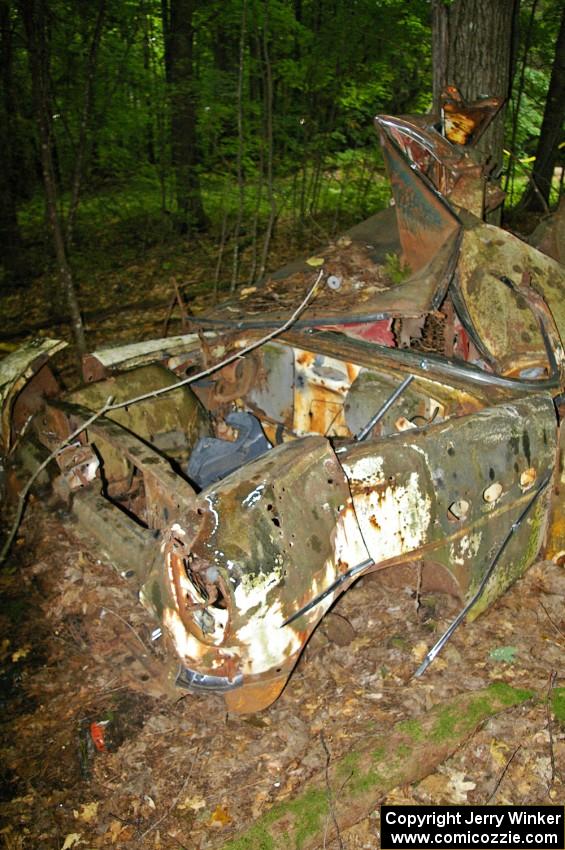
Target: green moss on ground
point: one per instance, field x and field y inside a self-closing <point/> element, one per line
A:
<point x="290" y="825"/>
<point x="558" y="704"/>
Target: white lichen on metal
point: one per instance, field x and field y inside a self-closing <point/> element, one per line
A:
<point x="349" y="545"/>
<point x="252" y="589"/>
<point x="463" y="550"/>
<point x="268" y="643"/>
<point x="394" y="518"/>
<point x="188" y="647"/>
<point x="368" y="469"/>
<point x="253" y="497"/>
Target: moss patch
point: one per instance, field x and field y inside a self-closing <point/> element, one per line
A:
<point x="347" y="766"/>
<point x="291" y="825"/>
<point x="413" y="728"/>
<point x="558" y="704"/>
<point x="508" y="695"/>
<point x="446" y="725"/>
<point x="301" y="817"/>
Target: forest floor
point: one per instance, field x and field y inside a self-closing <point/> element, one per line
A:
<point x="185" y="774"/>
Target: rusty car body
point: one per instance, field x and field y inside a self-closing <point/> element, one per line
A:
<point x="413" y="420"/>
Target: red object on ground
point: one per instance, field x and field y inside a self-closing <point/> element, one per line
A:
<point x="97" y="733"/>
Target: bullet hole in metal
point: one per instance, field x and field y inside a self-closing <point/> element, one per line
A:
<point x="527" y="478"/>
<point x="458" y="510"/>
<point x="493" y="492"/>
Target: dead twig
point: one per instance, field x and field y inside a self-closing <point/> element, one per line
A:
<point x="551" y="685"/>
<point x="169" y="314"/>
<point x="178" y="299"/>
<point x="20" y="435"/>
<point x="33" y="478"/>
<point x="160" y="820"/>
<point x="552" y="621"/>
<point x="330" y="795"/>
<point x="232" y="357"/>
<point x="106" y="610"/>
<point x="418" y="599"/>
<point x="502" y="775"/>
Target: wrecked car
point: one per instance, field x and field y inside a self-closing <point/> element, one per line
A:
<point x="243" y="476"/>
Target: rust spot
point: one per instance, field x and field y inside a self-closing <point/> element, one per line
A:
<point x="255" y="696"/>
<point x="305" y="358"/>
<point x="527" y="478"/>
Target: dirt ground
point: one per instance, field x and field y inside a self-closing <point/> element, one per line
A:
<point x="185" y="774"/>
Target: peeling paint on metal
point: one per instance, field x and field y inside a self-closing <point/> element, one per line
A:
<point x="252" y="590"/>
<point x="268" y="645"/>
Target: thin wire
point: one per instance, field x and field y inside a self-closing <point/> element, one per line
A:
<point x="438" y="646"/>
<point x="232" y="357"/>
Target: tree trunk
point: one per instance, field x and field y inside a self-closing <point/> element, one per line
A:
<point x="9" y="231"/>
<point x="34" y="18"/>
<point x="240" y="142"/>
<point x="472" y="49"/>
<point x="268" y="101"/>
<point x="178" y="26"/>
<point x="84" y="121"/>
<point x="536" y="197"/>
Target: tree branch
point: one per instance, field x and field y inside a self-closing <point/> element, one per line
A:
<point x="109" y="406"/>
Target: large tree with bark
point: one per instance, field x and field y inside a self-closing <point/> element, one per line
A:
<point x="9" y="230"/>
<point x="473" y="50"/>
<point x="36" y="19"/>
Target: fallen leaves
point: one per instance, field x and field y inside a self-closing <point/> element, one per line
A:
<point x="87" y="812"/>
<point x="459" y="784"/>
<point x="192" y="803"/>
<point x="220" y="817"/>
<point x="118" y="832"/>
<point x="499" y="751"/>
<point x="71" y="840"/>
<point x="419" y="651"/>
<point x="347" y="691"/>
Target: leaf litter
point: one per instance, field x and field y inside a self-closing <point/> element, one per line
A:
<point x="202" y="774"/>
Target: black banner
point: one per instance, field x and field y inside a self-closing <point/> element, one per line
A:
<point x="477" y="827"/>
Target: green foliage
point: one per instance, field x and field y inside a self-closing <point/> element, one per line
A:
<point x="558" y="704"/>
<point x="506" y="654"/>
<point x="395" y="269"/>
<point x="308" y="153"/>
<point x="534" y="58"/>
<point x="331" y="70"/>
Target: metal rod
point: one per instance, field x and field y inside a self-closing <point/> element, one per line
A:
<point x="353" y="571"/>
<point x="380" y="413"/>
<point x="441" y="365"/>
<point x="437" y="647"/>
